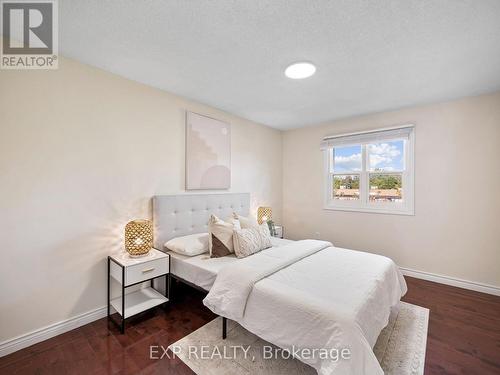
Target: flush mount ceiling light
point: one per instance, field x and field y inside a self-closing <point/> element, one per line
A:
<point x="300" y="70"/>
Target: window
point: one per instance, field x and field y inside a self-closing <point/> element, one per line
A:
<point x="370" y="171"/>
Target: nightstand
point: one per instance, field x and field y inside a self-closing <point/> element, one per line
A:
<point x="280" y="231"/>
<point x="128" y="271"/>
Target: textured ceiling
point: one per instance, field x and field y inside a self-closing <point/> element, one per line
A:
<point x="371" y="56"/>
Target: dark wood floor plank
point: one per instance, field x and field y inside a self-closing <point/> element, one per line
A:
<point x="464" y="328"/>
<point x="463" y="339"/>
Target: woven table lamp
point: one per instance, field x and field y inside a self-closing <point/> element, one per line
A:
<point x="264" y="214"/>
<point x="138" y="237"/>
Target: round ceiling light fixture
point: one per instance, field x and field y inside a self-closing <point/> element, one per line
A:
<point x="300" y="70"/>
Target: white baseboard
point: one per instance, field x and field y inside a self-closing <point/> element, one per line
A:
<point x="460" y="283"/>
<point x="28" y="339"/>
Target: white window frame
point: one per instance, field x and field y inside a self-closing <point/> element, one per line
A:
<point x="363" y="204"/>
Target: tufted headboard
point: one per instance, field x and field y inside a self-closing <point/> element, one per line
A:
<point x="180" y="215"/>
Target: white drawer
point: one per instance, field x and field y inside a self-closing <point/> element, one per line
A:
<point x="146" y="270"/>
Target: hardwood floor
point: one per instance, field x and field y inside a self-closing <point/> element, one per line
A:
<point x="464" y="328"/>
<point x="464" y="337"/>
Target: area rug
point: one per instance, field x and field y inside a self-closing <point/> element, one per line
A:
<point x="400" y="348"/>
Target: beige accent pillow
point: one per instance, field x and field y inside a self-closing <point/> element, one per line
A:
<point x="251" y="240"/>
<point x="222" y="231"/>
<point x="245" y="222"/>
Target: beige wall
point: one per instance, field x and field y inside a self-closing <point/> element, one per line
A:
<point x="81" y="153"/>
<point x="456" y="227"/>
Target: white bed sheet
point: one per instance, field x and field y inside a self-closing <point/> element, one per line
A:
<point x="201" y="270"/>
<point x="311" y="295"/>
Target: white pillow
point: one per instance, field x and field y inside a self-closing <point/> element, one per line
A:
<point x="190" y="245"/>
<point x="251" y="240"/>
<point x="245" y="222"/>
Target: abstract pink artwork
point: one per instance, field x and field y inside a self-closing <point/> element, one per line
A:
<point x="208" y="153"/>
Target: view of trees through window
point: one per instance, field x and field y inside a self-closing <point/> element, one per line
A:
<point x="370" y="171"/>
<point x="384" y="169"/>
<point x="383" y="187"/>
<point x="386" y="187"/>
<point x="346" y="187"/>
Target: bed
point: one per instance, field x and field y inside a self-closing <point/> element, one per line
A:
<point x="299" y="295"/>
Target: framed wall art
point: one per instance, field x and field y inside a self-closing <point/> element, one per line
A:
<point x="208" y="153"/>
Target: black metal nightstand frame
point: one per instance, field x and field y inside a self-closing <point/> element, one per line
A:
<point x="121" y="325"/>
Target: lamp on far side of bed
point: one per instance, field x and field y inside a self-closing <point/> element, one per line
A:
<point x="264" y="214"/>
<point x="138" y="237"/>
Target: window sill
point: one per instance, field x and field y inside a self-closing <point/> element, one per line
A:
<point x="384" y="211"/>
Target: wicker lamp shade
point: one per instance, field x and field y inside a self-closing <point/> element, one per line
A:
<point x="264" y="214"/>
<point x="138" y="237"/>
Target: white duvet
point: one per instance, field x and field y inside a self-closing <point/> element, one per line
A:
<point x="309" y="294"/>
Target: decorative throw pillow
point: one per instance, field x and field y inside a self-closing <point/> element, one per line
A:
<point x="251" y="240"/>
<point x="190" y="245"/>
<point x="234" y="221"/>
<point x="245" y="222"/>
<point x="220" y="241"/>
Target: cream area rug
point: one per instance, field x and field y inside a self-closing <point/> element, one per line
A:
<point x="400" y="348"/>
